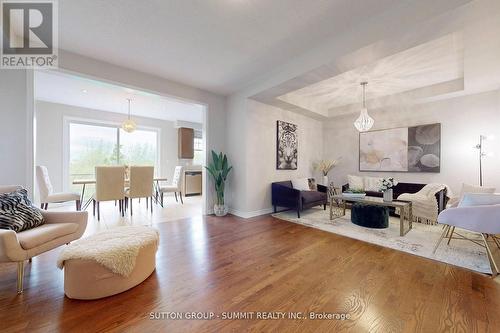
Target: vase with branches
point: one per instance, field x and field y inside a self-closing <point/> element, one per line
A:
<point x="219" y="168"/>
<point x="325" y="166"/>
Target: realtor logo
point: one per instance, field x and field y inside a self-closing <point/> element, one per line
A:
<point x="29" y="34"/>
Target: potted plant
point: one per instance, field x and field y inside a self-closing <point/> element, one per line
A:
<point x="219" y="169"/>
<point x="386" y="187"/>
<point x="325" y="166"/>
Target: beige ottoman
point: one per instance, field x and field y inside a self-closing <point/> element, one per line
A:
<point x="92" y="273"/>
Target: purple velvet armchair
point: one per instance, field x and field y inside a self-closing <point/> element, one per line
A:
<point x="284" y="195"/>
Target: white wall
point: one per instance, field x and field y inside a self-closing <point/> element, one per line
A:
<point x="252" y="149"/>
<point x="237" y="138"/>
<point x="261" y="158"/>
<point x="462" y="120"/>
<point x="50" y="141"/>
<point x="15" y="141"/>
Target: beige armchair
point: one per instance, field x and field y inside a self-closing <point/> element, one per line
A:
<point x="59" y="228"/>
<point x="141" y="185"/>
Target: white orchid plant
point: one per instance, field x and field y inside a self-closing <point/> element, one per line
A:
<point x="325" y="166"/>
<point x="387" y="184"/>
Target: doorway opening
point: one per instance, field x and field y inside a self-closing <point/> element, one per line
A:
<point x="79" y="125"/>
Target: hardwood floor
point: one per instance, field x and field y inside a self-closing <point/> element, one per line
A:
<point x="228" y="264"/>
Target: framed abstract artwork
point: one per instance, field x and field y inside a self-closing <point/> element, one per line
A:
<point x="405" y="149"/>
<point x="286" y="146"/>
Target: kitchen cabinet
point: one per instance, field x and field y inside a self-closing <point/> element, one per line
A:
<point x="186" y="143"/>
<point x="192" y="183"/>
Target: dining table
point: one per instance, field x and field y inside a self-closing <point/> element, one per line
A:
<point x="92" y="181"/>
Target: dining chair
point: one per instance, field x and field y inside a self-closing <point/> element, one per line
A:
<point x="109" y="186"/>
<point x="175" y="187"/>
<point x="141" y="185"/>
<point x="47" y="194"/>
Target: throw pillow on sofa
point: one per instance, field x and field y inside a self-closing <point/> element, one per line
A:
<point x="301" y="184"/>
<point x="355" y="182"/>
<point x="466" y="188"/>
<point x="312" y="184"/>
<point x="17" y="213"/>
<point x="373" y="184"/>
<point x="479" y="199"/>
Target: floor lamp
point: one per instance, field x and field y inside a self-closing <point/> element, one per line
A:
<point x="482" y="154"/>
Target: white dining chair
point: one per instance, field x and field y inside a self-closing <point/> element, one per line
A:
<point x="109" y="186"/>
<point x="141" y="185"/>
<point x="47" y="194"/>
<point x="175" y="187"/>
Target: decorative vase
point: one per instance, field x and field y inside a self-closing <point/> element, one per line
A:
<point x="388" y="195"/>
<point x="325" y="180"/>
<point x="220" y="210"/>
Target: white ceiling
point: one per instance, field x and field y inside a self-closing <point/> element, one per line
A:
<point x="86" y="93"/>
<point x="431" y="63"/>
<point x="218" y="45"/>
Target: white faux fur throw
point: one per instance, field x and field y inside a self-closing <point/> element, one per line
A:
<point x="424" y="205"/>
<point x="115" y="249"/>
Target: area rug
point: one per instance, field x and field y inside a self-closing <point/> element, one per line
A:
<point x="418" y="241"/>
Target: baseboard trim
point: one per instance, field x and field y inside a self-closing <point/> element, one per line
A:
<point x="247" y="215"/>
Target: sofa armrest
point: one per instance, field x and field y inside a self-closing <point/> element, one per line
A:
<point x="442" y="200"/>
<point x="10" y="249"/>
<point x="285" y="196"/>
<point x="79" y="218"/>
<point x="322" y="188"/>
<point x="65" y="217"/>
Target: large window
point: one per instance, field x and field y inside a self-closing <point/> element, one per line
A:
<point x="138" y="147"/>
<point x="199" y="151"/>
<point x="93" y="144"/>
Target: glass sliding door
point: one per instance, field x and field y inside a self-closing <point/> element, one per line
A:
<point x="199" y="149"/>
<point x="139" y="148"/>
<point x="91" y="145"/>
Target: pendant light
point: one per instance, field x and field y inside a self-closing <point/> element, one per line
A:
<point x="364" y="121"/>
<point x="129" y="125"/>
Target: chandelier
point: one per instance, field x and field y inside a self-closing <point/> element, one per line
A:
<point x="129" y="125"/>
<point x="364" y="121"/>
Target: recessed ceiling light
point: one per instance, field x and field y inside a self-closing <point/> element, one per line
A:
<point x="85" y="91"/>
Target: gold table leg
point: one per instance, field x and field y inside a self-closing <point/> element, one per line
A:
<point x="402" y="221"/>
<point x="402" y="215"/>
<point x="410" y="207"/>
<point x="331" y="209"/>
<point x="339" y="210"/>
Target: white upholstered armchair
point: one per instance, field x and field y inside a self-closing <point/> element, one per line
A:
<point x="483" y="219"/>
<point x="59" y="228"/>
